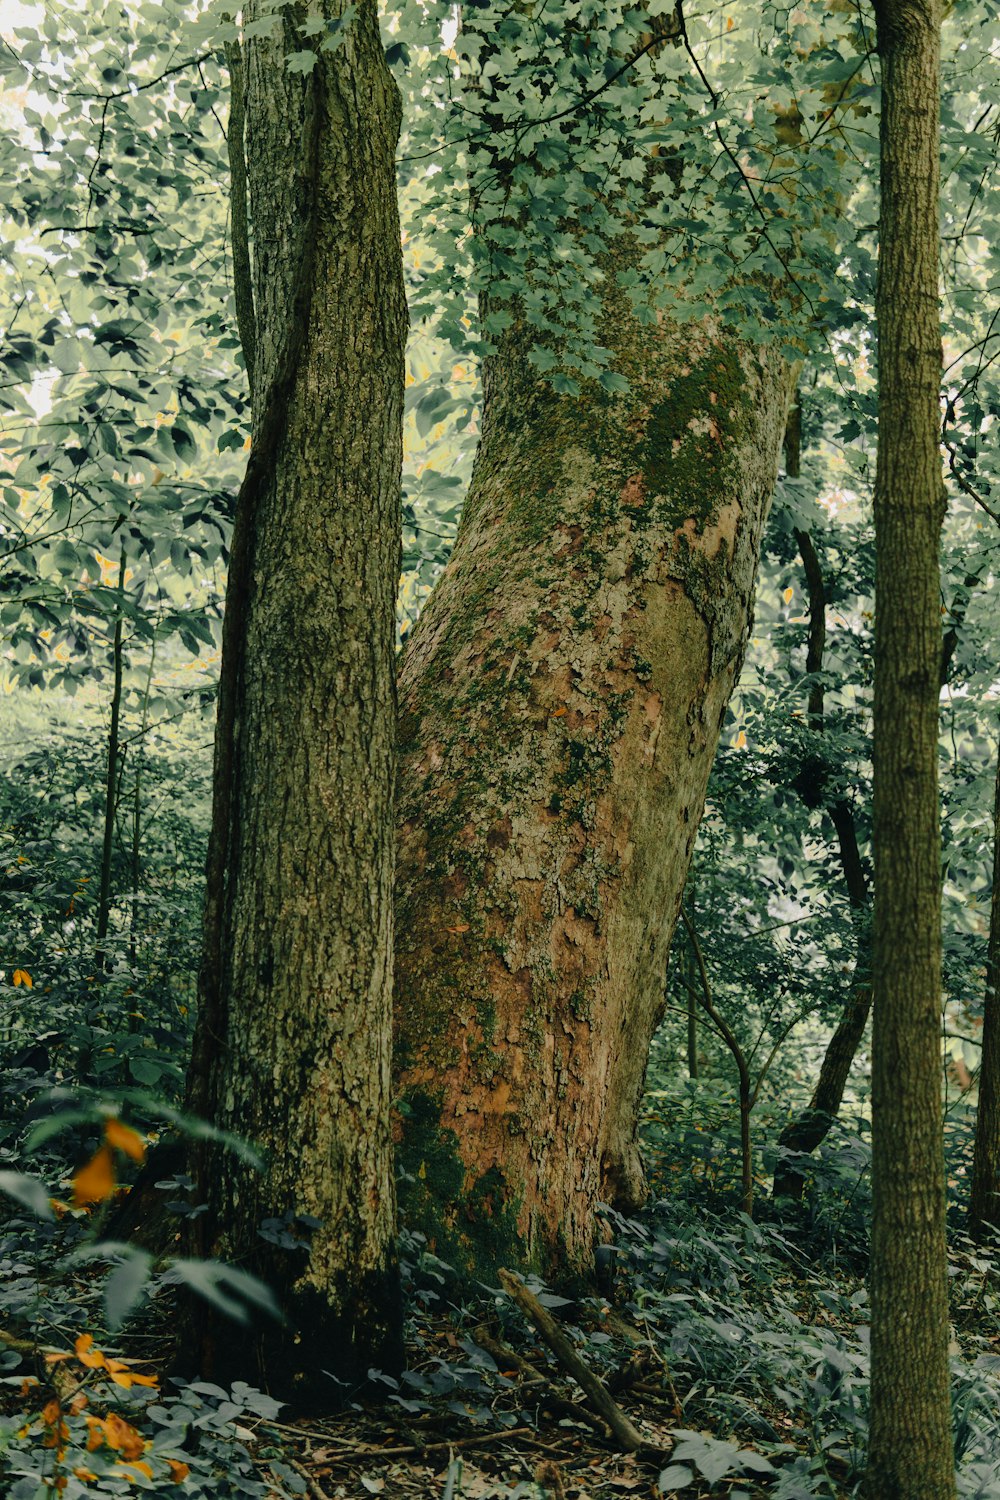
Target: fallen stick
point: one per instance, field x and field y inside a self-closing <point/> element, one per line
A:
<point x="628" y="1436"/>
<point x="470" y="1442"/>
<point x="508" y="1357"/>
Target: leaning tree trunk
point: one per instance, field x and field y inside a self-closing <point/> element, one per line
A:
<point x="984" y="1201"/>
<point x="910" y="1446"/>
<point x="809" y="1129"/>
<point x="293" y="1041"/>
<point x="560" y="703"/>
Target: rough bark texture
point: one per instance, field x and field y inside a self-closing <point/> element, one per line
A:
<point x="910" y="1444"/>
<point x="984" y="1204"/>
<point x="292" y="1049"/>
<point x="560" y="703"/>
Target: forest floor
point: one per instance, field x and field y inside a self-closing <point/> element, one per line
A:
<point x="491" y="1421"/>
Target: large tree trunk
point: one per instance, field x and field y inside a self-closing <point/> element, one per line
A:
<point x="560" y="703"/>
<point x="984" y="1202"/>
<point x="293" y="1042"/>
<point x="910" y="1446"/>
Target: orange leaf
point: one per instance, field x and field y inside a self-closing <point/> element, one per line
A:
<point x="122" y="1435"/>
<point x="143" y="1468"/>
<point x="87" y="1475"/>
<point x="21" y="976"/>
<point x="95" y="1182"/>
<point x="178" y="1471"/>
<point x="125" y="1138"/>
<point x="459" y="927"/>
<point x="93" y="1359"/>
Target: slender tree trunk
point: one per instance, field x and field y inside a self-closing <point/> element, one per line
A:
<point x="984" y="1203"/>
<point x="111" y="772"/>
<point x="293" y="1039"/>
<point x="910" y="1447"/>
<point x="560" y="703"/>
<point x="810" y="1128"/>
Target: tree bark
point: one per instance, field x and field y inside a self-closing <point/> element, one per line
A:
<point x="560" y="703"/>
<point x="910" y="1444"/>
<point x="293" y="1039"/>
<point x="984" y="1202"/>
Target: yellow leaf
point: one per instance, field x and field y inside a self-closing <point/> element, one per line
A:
<point x="125" y="1138"/>
<point x="95" y="1182"/>
<point x="787" y="595"/>
<point x="741" y="740"/>
<point x="21" y="976"/>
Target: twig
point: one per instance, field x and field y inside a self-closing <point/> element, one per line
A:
<point x="628" y="1436"/>
<point x="311" y="1484"/>
<point x="479" y="1440"/>
<point x="504" y="1355"/>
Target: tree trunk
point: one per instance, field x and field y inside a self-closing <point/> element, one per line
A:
<point x="984" y="1203"/>
<point x="910" y="1447"/>
<point x="810" y="1128"/>
<point x="293" y="1041"/>
<point x="560" y="703"/>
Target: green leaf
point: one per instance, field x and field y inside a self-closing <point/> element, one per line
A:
<point x="232" y="1291"/>
<point x="27" y="1191"/>
<point x="125" y="1285"/>
<point x="302" y="62"/>
<point x="677" y="1477"/>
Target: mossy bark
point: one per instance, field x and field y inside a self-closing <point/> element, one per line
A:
<point x="984" y="1201"/>
<point x="910" y="1454"/>
<point x="293" y="1042"/>
<point x="560" y="703"/>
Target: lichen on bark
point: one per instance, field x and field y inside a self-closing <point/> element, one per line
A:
<point x="560" y="702"/>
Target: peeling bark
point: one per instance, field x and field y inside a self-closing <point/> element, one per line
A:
<point x="560" y="703"/>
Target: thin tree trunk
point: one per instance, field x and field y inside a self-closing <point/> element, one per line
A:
<point x="910" y="1444"/>
<point x="560" y="703"/>
<point x="111" y="774"/>
<point x="984" y="1202"/>
<point x="809" y="1129"/>
<point x="293" y="1038"/>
